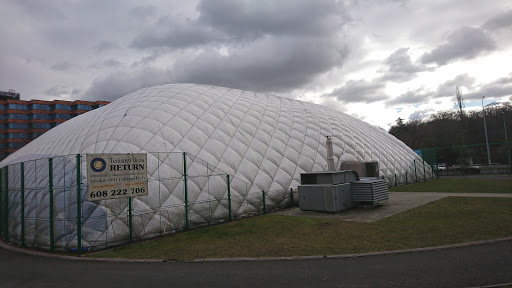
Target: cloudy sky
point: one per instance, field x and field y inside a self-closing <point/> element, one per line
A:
<point x="376" y="60"/>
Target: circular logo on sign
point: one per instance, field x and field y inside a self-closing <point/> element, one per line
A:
<point x="98" y="164"/>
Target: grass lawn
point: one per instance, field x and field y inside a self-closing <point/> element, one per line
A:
<point x="462" y="185"/>
<point x="446" y="221"/>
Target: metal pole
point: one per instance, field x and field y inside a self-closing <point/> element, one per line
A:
<point x="78" y="206"/>
<point x="415" y="174"/>
<point x="291" y="194"/>
<point x="130" y="223"/>
<point x="50" y="196"/>
<point x="229" y="199"/>
<point x="506" y="140"/>
<point x="485" y="129"/>
<point x="22" y="220"/>
<point x="6" y="204"/>
<point x="461" y="162"/>
<point x="185" y="188"/>
<point x="424" y="173"/>
<point x="406" y="182"/>
<point x="264" y="204"/>
<point x="395" y="181"/>
<point x="1" y="202"/>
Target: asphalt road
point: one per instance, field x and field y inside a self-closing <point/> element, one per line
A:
<point x="471" y="266"/>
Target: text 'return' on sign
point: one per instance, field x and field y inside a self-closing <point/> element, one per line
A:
<point x="112" y="176"/>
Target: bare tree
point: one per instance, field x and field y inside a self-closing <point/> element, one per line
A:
<point x="460" y="103"/>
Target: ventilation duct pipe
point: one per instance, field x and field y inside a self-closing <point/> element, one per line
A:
<point x="330" y="157"/>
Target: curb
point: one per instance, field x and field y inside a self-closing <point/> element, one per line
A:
<point x="392" y="252"/>
<point x="6" y="246"/>
<point x="248" y="259"/>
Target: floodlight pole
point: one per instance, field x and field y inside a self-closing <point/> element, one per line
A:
<point x="485" y="129"/>
<point x="506" y="138"/>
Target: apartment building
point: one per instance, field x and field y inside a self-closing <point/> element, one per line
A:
<point x="22" y="121"/>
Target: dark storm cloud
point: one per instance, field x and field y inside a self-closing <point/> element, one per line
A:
<point x="116" y="85"/>
<point x="398" y="67"/>
<point x="109" y="63"/>
<point x="64" y="66"/>
<point x="174" y="33"/>
<point x="62" y="92"/>
<point x="501" y="87"/>
<point x="463" y="43"/>
<point x="359" y="91"/>
<point x="232" y="22"/>
<point x="447" y="89"/>
<point x="262" y="46"/>
<point x="105" y="46"/>
<point x="502" y="20"/>
<point x="410" y="97"/>
<point x="267" y="65"/>
<point x="143" y="12"/>
<point x="289" y="17"/>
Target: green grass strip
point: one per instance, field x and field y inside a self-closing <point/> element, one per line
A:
<point x="446" y="221"/>
<point x="463" y="185"/>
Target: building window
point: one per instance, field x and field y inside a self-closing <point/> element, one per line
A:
<point x="16" y="144"/>
<point x="62" y="107"/>
<point x="3" y="116"/>
<point x="19" y="136"/>
<point x="14" y="106"/>
<point x="62" y="116"/>
<point x="41" y="126"/>
<point x="36" y="134"/>
<point x="42" y="116"/>
<point x="83" y="107"/>
<point x="2" y="107"/>
<point x="17" y="126"/>
<point x="19" y="116"/>
<point x="41" y="107"/>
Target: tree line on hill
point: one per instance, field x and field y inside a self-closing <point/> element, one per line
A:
<point x="457" y="128"/>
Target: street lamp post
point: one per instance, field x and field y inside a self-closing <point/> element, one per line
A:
<point x="485" y="129"/>
<point x="506" y="138"/>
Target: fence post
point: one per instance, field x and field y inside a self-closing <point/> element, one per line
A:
<point x="229" y="199"/>
<point x="461" y="162"/>
<point x="6" y="203"/>
<point x="185" y="188"/>
<point x="130" y="223"/>
<point x="78" y="205"/>
<point x="264" y="204"/>
<point x="406" y="182"/>
<point x="415" y="174"/>
<point x="1" y="203"/>
<point x="424" y="173"/>
<point x="50" y="196"/>
<point x="395" y="181"/>
<point x="291" y="194"/>
<point x="22" y="220"/>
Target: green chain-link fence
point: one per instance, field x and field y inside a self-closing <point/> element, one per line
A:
<point x="471" y="159"/>
<point x="38" y="202"/>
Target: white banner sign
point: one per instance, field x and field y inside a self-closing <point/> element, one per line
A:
<point x="112" y="176"/>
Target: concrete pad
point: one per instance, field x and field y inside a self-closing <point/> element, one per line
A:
<point x="398" y="202"/>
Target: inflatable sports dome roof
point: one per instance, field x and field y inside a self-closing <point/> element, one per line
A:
<point x="263" y="141"/>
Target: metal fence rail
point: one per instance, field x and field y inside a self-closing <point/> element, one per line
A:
<point x="43" y="203"/>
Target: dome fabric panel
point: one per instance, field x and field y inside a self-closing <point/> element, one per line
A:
<point x="263" y="140"/>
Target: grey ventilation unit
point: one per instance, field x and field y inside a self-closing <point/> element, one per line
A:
<point x="372" y="191"/>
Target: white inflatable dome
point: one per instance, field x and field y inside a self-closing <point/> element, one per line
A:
<point x="263" y="140"/>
